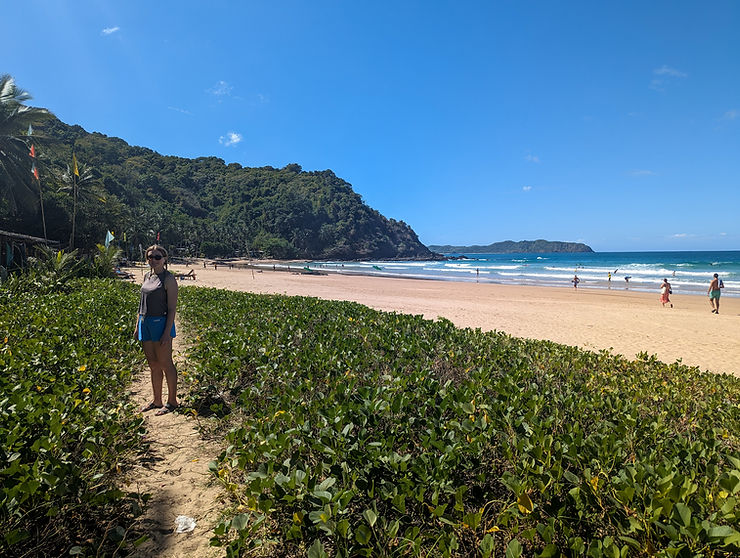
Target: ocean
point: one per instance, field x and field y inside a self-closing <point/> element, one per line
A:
<point x="688" y="272"/>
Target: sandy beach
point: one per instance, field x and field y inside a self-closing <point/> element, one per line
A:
<point x="624" y="322"/>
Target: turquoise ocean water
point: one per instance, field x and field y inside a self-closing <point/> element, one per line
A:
<point x="688" y="272"/>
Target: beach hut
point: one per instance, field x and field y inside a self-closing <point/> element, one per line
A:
<point x="15" y="248"/>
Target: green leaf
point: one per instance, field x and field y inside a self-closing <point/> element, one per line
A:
<point x="317" y="550"/>
<point x="513" y="549"/>
<point x="323" y="495"/>
<point x="342" y="528"/>
<point x="684" y="513"/>
<point x="487" y="546"/>
<point x="327" y="484"/>
<point x="363" y="534"/>
<point x="571" y="478"/>
<point x="240" y="521"/>
<point x="724" y="533"/>
<point x="370" y="517"/>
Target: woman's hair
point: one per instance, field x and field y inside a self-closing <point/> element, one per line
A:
<point x="159" y="249"/>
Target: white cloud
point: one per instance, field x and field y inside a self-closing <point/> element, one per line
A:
<point x="532" y="158"/>
<point x="642" y="172"/>
<point x="221" y="89"/>
<point x="731" y="114"/>
<point x="666" y="74"/>
<point x="668" y="71"/>
<point x="231" y="138"/>
<point x="682" y="235"/>
<point x="110" y="30"/>
<point x="526" y="188"/>
<point x="183" y="111"/>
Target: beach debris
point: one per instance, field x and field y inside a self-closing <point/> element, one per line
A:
<point x="184" y="524"/>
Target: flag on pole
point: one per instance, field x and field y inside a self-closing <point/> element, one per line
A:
<point x="30" y="130"/>
<point x="33" y="151"/>
<point x="74" y="163"/>
<point x="108" y="237"/>
<point x="35" y="171"/>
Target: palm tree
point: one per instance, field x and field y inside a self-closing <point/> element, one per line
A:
<point x="16" y="180"/>
<point x="78" y="182"/>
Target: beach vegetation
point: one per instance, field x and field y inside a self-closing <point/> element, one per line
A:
<point x="66" y="435"/>
<point x="54" y="270"/>
<point x="354" y="432"/>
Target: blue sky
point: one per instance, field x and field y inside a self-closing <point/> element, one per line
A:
<point x="616" y="124"/>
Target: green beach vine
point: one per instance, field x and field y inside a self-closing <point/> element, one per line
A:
<point x="65" y="431"/>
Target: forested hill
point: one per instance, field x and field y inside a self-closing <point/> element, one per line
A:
<point x="203" y="206"/>
<point x="511" y="247"/>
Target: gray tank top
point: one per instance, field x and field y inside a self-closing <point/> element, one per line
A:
<point x="153" y="295"/>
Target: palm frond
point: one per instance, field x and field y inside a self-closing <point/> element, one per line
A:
<point x="16" y="181"/>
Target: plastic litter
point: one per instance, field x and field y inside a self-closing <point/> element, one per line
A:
<point x="184" y="524"/>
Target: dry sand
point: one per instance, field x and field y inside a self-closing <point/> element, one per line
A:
<point x="626" y="322"/>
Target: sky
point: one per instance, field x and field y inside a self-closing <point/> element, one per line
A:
<point x="616" y="124"/>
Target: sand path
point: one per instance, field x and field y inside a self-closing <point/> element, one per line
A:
<point x="175" y="473"/>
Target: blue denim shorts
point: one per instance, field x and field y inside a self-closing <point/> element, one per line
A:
<point x="151" y="328"/>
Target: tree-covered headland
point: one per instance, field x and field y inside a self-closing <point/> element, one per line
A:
<point x="199" y="207"/>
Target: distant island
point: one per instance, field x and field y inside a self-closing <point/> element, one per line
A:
<point x="512" y="247"/>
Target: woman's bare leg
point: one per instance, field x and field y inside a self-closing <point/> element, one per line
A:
<point x="164" y="357"/>
<point x="155" y="366"/>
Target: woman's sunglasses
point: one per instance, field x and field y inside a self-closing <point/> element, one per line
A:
<point x="154" y="257"/>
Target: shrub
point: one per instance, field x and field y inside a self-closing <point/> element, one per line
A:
<point x="65" y="430"/>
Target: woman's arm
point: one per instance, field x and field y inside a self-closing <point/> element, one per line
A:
<point x="171" y="288"/>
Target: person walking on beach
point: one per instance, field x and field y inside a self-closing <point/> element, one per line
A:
<point x="575" y="281"/>
<point x="155" y="328"/>
<point x="665" y="291"/>
<point x="714" y="292"/>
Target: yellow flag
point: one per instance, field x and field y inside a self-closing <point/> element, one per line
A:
<point x="74" y="162"/>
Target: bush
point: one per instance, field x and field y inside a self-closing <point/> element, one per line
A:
<point x="65" y="431"/>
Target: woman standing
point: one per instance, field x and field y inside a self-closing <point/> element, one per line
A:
<point x="665" y="291"/>
<point x="155" y="328"/>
